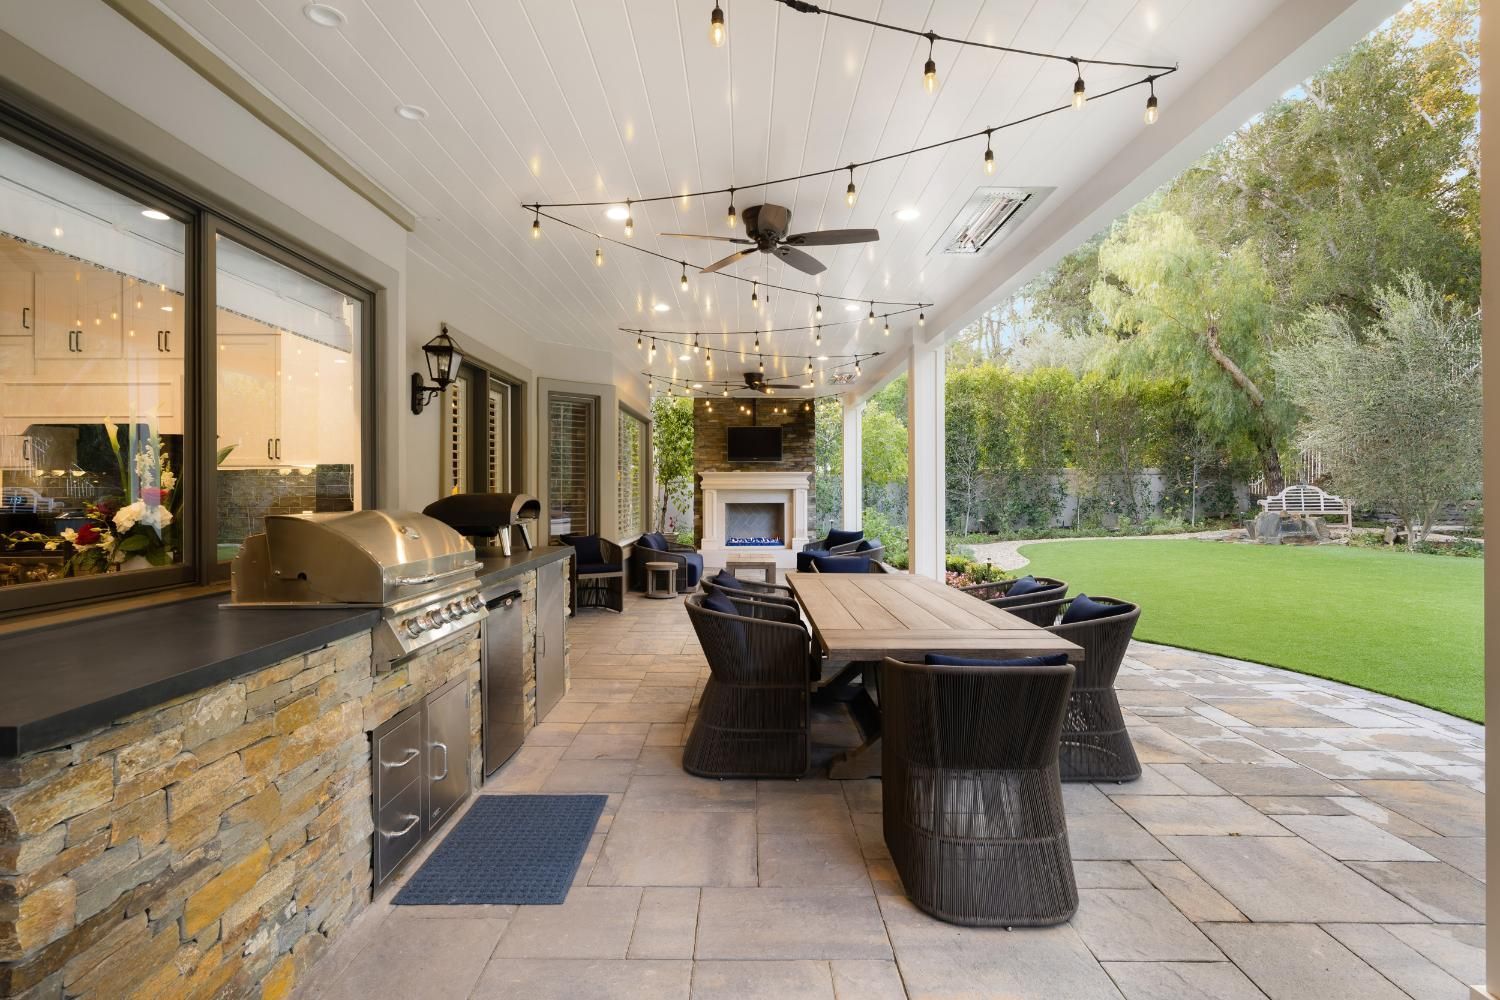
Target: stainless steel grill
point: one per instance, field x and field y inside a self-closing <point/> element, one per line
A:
<point x="419" y="572"/>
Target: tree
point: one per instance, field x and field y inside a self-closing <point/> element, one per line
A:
<point x="1394" y="408"/>
<point x="1200" y="313"/>
<point x="828" y="462"/>
<point x="672" y="450"/>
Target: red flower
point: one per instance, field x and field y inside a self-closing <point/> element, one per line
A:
<point x="153" y="496"/>
<point x="87" y="535"/>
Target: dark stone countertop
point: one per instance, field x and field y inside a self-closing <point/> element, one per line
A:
<point x="61" y="681"/>
<point x="495" y="566"/>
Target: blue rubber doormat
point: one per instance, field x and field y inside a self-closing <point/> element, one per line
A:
<point x="521" y="849"/>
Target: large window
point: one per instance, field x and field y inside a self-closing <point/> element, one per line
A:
<point x="480" y="432"/>
<point x="114" y="377"/>
<point x="630" y="474"/>
<point x="570" y="464"/>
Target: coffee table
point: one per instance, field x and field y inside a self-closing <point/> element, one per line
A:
<point x="763" y="564"/>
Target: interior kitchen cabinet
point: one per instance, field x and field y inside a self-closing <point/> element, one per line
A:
<point x="17" y="304"/>
<point x="153" y="321"/>
<point x="78" y="314"/>
<point x="249" y="367"/>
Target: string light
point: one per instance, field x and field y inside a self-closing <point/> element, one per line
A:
<point x="818" y="313"/>
<point x="929" y="71"/>
<point x="754" y="298"/>
<point x="871" y="317"/>
<point x="921" y="319"/>
<point x="1151" y="106"/>
<point x="818" y="338"/>
<point x="1080" y="94"/>
<point x="730" y="218"/>
<point x="683" y="283"/>
<point x="757" y="341"/>
<point x="598" y="256"/>
<point x="695" y="343"/>
<point x="849" y="193"/>
<point x="629" y="220"/>
<point x="638" y="342"/>
<point x="536" y="225"/>
<point x="716" y="28"/>
<point x="887" y="327"/>
<point x="989" y="154"/>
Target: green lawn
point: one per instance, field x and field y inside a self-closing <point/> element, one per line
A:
<point x="1406" y="625"/>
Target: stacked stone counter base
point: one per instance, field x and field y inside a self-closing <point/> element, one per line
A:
<point x="211" y="846"/>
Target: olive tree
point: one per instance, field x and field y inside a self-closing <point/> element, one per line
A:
<point x="1393" y="405"/>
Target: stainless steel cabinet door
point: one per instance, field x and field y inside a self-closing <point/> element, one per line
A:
<point x="504" y="683"/>
<point x="447" y="751"/>
<point x="551" y="641"/>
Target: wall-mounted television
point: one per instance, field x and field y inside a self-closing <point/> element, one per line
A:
<point x="754" y="444"/>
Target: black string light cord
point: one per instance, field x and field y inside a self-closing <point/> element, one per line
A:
<point x="713" y="387"/>
<point x="756" y="331"/>
<point x="902" y="307"/>
<point x="650" y="344"/>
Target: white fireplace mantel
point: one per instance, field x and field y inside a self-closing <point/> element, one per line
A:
<point x="786" y="488"/>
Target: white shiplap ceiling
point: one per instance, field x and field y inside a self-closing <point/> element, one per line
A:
<point x="555" y="100"/>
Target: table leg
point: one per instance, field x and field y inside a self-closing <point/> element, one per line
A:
<point x="862" y="761"/>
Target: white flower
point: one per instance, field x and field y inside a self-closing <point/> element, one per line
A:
<point x="157" y="517"/>
<point x="127" y="516"/>
<point x="145" y="468"/>
<point x="107" y="542"/>
<point x="69" y="535"/>
<point x="51" y="544"/>
<point x="168" y="479"/>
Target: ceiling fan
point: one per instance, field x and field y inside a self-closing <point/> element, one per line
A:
<point x="757" y="381"/>
<point x="766" y="225"/>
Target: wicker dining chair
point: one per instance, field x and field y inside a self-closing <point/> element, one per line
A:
<point x="973" y="811"/>
<point x="752" y="588"/>
<point x="1041" y="613"/>
<point x="1095" y="743"/>
<point x="753" y="716"/>
<point x="997" y="592"/>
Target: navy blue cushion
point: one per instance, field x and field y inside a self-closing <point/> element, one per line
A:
<point x="586" y="568"/>
<point x="1055" y="660"/>
<point x="865" y="545"/>
<point x="734" y="630"/>
<point x="842" y="564"/>
<point x="805" y="558"/>
<point x="694" y="568"/>
<point x="653" y="540"/>
<point x="727" y="580"/>
<point x="1084" y="609"/>
<point x="840" y="536"/>
<point x="718" y="602"/>
<point x="1025" y="585"/>
<point x="587" y="547"/>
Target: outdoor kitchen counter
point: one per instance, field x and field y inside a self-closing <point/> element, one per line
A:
<point x="494" y="566"/>
<point x="64" y="680"/>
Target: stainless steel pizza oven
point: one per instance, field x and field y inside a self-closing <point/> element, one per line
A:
<point x="419" y="572"/>
<point x="484" y="516"/>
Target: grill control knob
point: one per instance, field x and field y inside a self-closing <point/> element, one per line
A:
<point x="475" y="604"/>
<point x="454" y="611"/>
<point x="432" y="619"/>
<point x="412" y="627"/>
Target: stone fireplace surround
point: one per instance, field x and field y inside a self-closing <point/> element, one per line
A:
<point x="788" y="489"/>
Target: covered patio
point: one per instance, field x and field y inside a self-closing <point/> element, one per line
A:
<point x="1289" y="837"/>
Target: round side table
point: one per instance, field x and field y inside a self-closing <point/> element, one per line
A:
<point x="653" y="569"/>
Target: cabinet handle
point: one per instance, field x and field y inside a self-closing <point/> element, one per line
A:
<point x="411" y="753"/>
<point x="26" y="317"/>
<point x="167" y="336"/>
<point x="269" y="456"/>
<point x="444" y="748"/>
<point x="278" y="449"/>
<point x="411" y="822"/>
<point x="26" y="450"/>
<point x="80" y="340"/>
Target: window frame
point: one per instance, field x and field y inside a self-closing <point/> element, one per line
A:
<point x="644" y="473"/>
<point x="101" y="162"/>
<point x="590" y="462"/>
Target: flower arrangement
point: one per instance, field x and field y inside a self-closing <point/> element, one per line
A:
<point x="140" y="532"/>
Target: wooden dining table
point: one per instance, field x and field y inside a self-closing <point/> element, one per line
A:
<point x="862" y="618"/>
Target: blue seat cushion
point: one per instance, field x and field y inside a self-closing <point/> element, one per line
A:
<point x="587" y="547"/>
<point x="727" y="580"/>
<point x="840" y="536"/>
<point x="1055" y="660"/>
<point x="1085" y="609"/>
<point x="653" y="540"/>
<point x="590" y="568"/>
<point x="805" y="558"/>
<point x="694" y="569"/>
<point x="1025" y="585"/>
<point x="842" y="564"/>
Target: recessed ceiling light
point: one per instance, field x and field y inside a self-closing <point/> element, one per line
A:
<point x="411" y="112"/>
<point x="324" y="15"/>
<point x="155" y="213"/>
<point x="618" y="212"/>
<point x="822" y="357"/>
<point x="907" y="214"/>
<point x="662" y="307"/>
<point x="850" y="307"/>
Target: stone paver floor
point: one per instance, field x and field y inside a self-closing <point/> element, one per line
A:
<point x="1291" y="838"/>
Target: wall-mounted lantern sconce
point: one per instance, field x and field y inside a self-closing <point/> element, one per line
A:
<point x="443" y="360"/>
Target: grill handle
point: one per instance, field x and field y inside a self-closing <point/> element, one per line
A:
<point x="417" y="581"/>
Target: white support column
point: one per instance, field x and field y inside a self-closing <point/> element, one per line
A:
<point x="854" y="464"/>
<point x="926" y="466"/>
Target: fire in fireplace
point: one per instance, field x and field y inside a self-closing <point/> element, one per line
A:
<point x="750" y="524"/>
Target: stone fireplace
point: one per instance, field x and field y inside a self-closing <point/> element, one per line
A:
<point x="764" y="513"/>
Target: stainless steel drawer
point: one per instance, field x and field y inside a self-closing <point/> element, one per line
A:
<point x="398" y="829"/>
<point x="398" y="755"/>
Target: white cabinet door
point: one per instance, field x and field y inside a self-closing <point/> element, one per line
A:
<point x="299" y="442"/>
<point x="249" y="399"/>
<point x="17" y="304"/>
<point x="153" y="321"/>
<point x="78" y="314"/>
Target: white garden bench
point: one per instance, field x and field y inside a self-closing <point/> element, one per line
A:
<point x="1304" y="499"/>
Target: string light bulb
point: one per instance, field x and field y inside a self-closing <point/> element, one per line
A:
<point x="638" y="342"/>
<point x="922" y="318"/>
<point x="651" y="355"/>
<point x="731" y="218"/>
<point x="850" y="195"/>
<point x="989" y="155"/>
<point x="683" y="284"/>
<point x="1080" y="93"/>
<point x="871" y="318"/>
<point x="629" y="221"/>
<point x="598" y="256"/>
<point x="818" y="337"/>
<point x="716" y="28"/>
<point x="929" y="71"/>
<point x="536" y="225"/>
<point x="755" y="301"/>
<point x="695" y="343"/>
<point x="818" y="312"/>
<point x="1151" y="105"/>
<point x="757" y="340"/>
<point x="887" y="327"/>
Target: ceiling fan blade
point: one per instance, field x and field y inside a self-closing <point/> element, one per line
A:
<point x="719" y="265"/>
<point x="700" y="236"/>
<point x="801" y="260"/>
<point x="832" y="237"/>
